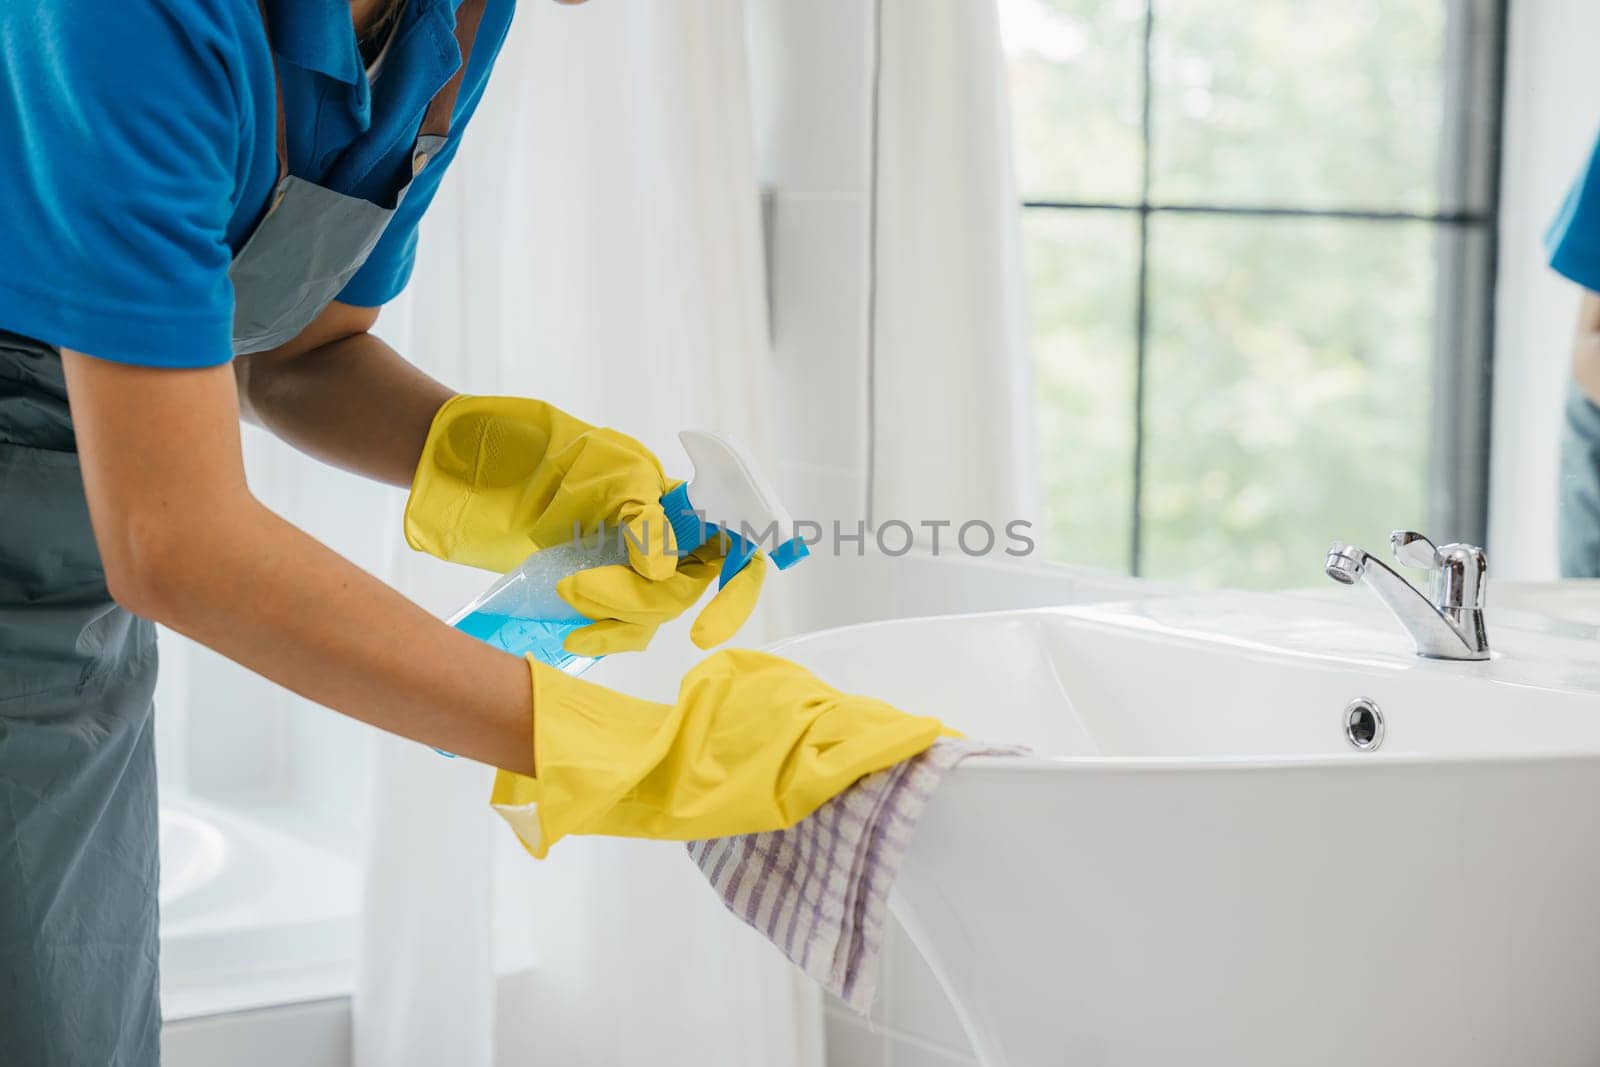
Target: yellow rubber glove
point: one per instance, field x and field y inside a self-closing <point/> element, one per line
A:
<point x="754" y="743"/>
<point x="630" y="608"/>
<point x="501" y="477"/>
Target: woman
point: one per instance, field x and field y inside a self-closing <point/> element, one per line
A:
<point x="187" y="195"/>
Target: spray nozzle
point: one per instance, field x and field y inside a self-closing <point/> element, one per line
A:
<point x="727" y="493"/>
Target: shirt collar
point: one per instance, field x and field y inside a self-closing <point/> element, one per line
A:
<point x="317" y="34"/>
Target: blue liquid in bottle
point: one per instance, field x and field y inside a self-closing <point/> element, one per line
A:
<point x="541" y="637"/>
<point x="522" y="613"/>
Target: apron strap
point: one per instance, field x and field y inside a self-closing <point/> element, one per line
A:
<point x="277" y="85"/>
<point x="435" y="121"/>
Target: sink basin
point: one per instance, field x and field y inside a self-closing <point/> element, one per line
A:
<point x="1569" y="606"/>
<point x="1199" y="866"/>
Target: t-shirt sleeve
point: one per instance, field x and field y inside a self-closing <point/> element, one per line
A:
<point x="1573" y="240"/>
<point x="388" y="267"/>
<point x="113" y="232"/>
<point x="387" y="270"/>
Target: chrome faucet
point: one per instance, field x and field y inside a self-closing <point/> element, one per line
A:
<point x="1450" y="625"/>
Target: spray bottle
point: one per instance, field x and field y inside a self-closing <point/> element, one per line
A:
<point x="522" y="613"/>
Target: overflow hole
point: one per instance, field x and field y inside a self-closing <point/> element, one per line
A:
<point x="1363" y="724"/>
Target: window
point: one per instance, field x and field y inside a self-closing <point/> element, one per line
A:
<point x="1260" y="244"/>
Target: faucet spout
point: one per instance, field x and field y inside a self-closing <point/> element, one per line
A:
<point x="1345" y="563"/>
<point x="1441" y="627"/>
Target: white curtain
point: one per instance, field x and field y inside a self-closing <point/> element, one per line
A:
<point x="949" y="360"/>
<point x="597" y="245"/>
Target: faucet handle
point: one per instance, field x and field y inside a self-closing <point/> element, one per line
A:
<point x="1415" y="550"/>
<point x="1462" y="577"/>
<point x="1459" y="571"/>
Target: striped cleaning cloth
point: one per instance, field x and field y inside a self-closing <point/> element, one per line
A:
<point x="819" y="890"/>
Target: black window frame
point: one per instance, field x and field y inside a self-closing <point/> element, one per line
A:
<point x="1467" y="241"/>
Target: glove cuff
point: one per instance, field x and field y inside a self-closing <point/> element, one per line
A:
<point x="591" y="746"/>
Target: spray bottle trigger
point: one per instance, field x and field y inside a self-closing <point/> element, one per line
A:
<point x="740" y="552"/>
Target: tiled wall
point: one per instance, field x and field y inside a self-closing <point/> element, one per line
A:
<point x="810" y="65"/>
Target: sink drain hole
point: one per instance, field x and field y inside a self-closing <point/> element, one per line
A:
<point x="1363" y="724"/>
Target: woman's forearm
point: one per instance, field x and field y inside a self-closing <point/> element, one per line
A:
<point x="1586" y="347"/>
<point x="266" y="595"/>
<point x="342" y="395"/>
<point x="184" y="542"/>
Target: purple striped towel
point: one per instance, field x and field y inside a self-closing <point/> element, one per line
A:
<point x="820" y="889"/>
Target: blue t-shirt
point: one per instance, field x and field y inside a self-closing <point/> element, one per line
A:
<point x="141" y="139"/>
<point x="1573" y="240"/>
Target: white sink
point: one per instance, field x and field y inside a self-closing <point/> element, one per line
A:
<point x="1200" y="868"/>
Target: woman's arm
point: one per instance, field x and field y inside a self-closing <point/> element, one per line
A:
<point x="340" y="394"/>
<point x="185" y="543"/>
<point x="1586" y="346"/>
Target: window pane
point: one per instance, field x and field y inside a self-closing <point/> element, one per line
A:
<point x="1287" y="393"/>
<point x="1282" y="102"/>
<point x="1082" y="274"/>
<point x="1075" y="75"/>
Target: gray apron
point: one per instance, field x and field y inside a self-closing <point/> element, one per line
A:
<point x="78" y="820"/>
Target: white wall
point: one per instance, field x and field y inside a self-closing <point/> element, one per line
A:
<point x="1552" y="111"/>
<point x="810" y="69"/>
